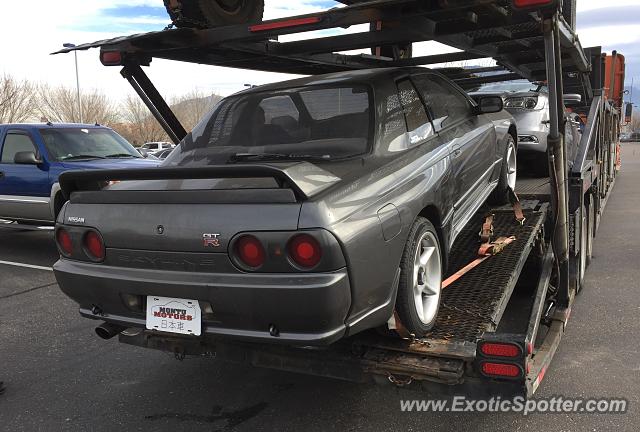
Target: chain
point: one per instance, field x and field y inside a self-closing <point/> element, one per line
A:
<point x="180" y="20"/>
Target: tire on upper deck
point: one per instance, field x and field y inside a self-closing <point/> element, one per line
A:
<point x="214" y="13"/>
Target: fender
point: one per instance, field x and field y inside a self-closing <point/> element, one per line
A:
<point x="55" y="190"/>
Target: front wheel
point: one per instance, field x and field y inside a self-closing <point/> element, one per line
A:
<point x="420" y="287"/>
<point x="508" y="174"/>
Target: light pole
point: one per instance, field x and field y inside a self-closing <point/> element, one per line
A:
<point x="75" y="53"/>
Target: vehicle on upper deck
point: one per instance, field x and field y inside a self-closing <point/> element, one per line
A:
<point x="32" y="157"/>
<point x="529" y="104"/>
<point x="299" y="212"/>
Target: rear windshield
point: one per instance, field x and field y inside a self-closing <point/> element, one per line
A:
<point x="71" y="144"/>
<point x="327" y="123"/>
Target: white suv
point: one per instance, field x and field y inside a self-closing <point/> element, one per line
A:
<point x="152" y="147"/>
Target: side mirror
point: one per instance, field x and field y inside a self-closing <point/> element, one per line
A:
<point x="489" y="104"/>
<point x="26" y="158"/>
<point x="572" y="98"/>
<point x="143" y="152"/>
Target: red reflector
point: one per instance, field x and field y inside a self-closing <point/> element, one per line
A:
<point x="500" y="350"/>
<point x="64" y="241"/>
<point x="111" y="58"/>
<point x="94" y="245"/>
<point x="284" y="24"/>
<point x="500" y="370"/>
<point x="531" y="3"/>
<point x="305" y="250"/>
<point x="250" y="251"/>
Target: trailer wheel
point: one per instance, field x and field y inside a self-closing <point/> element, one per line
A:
<point x="420" y="288"/>
<point x="591" y="227"/>
<point x="508" y="174"/>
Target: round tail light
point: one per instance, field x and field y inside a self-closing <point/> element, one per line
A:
<point x="63" y="238"/>
<point x="250" y="251"/>
<point x="94" y="246"/>
<point x="305" y="250"/>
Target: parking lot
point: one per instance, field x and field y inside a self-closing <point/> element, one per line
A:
<point x="61" y="376"/>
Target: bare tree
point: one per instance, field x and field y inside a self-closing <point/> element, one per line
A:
<point x="60" y="104"/>
<point x="140" y="125"/>
<point x="17" y="100"/>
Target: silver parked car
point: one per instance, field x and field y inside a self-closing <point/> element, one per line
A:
<point x="528" y="103"/>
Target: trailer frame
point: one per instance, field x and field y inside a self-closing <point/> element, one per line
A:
<point x="535" y="44"/>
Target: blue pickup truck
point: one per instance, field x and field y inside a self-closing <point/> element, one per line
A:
<point x="32" y="156"/>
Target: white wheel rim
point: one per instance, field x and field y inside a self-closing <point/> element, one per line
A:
<point x="512" y="165"/>
<point x="427" y="278"/>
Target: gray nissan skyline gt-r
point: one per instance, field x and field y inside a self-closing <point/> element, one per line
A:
<point x="300" y="212"/>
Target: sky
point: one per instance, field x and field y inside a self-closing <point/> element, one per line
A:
<point x="32" y="29"/>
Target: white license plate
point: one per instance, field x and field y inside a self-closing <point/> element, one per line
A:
<point x="174" y="315"/>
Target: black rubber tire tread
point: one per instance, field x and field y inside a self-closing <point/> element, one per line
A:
<point x="500" y="195"/>
<point x="250" y="11"/>
<point x="208" y="13"/>
<point x="405" y="306"/>
<point x="540" y="167"/>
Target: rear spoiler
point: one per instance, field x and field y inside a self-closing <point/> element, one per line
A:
<point x="304" y="178"/>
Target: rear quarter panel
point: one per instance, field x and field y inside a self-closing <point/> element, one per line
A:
<point x="391" y="195"/>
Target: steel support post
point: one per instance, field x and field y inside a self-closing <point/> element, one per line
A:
<point x="557" y="160"/>
<point x="154" y="101"/>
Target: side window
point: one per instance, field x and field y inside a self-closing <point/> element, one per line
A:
<point x="446" y="103"/>
<point x="14" y="143"/>
<point x="414" y="111"/>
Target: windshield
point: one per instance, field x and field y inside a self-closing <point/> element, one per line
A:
<point x="511" y="87"/>
<point x="93" y="143"/>
<point x="311" y="123"/>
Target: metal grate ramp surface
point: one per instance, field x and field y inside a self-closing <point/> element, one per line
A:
<point x="474" y="304"/>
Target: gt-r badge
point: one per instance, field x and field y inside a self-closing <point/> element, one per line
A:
<point x="211" y="240"/>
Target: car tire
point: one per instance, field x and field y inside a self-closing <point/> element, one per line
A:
<point x="540" y="165"/>
<point x="508" y="174"/>
<point x="420" y="286"/>
<point x="215" y="13"/>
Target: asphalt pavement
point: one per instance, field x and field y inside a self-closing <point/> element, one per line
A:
<point x="60" y="376"/>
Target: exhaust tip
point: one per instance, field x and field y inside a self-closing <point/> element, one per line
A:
<point x="108" y="330"/>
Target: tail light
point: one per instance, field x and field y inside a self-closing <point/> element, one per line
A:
<point x="532" y="3"/>
<point x="305" y="250"/>
<point x="65" y="244"/>
<point x="501" y="370"/>
<point x="94" y="246"/>
<point x="249" y="251"/>
<point x="491" y="349"/>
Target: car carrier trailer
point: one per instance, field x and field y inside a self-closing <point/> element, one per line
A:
<point x="503" y="317"/>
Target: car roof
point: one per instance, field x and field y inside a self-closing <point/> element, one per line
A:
<point x="53" y="126"/>
<point x="342" y="78"/>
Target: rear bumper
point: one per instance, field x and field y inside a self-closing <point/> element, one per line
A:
<point x="307" y="309"/>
